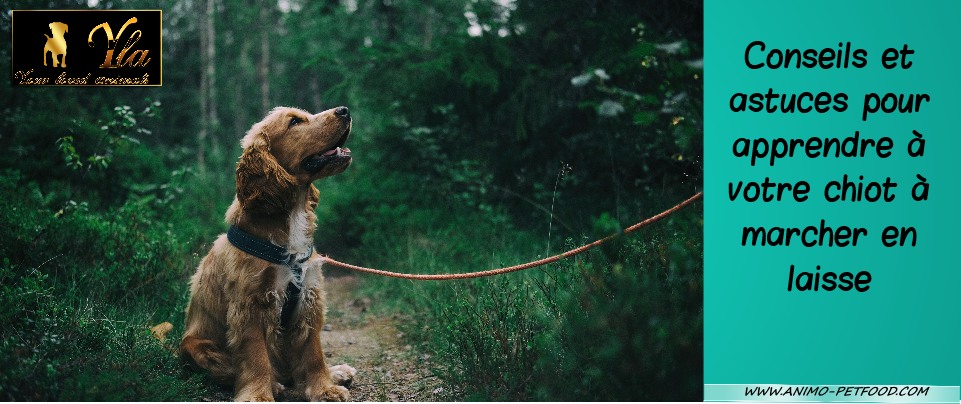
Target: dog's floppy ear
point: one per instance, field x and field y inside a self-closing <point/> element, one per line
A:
<point x="263" y="186"/>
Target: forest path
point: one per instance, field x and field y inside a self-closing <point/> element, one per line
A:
<point x="388" y="369"/>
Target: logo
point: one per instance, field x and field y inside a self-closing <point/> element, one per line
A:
<point x="106" y="48"/>
<point x="56" y="45"/>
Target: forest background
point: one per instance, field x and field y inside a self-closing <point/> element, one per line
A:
<point x="486" y="133"/>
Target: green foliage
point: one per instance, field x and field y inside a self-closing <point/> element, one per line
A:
<point x="626" y="321"/>
<point x="567" y="122"/>
<point x="52" y="349"/>
<point x="485" y="134"/>
<point x="80" y="289"/>
<point x="81" y="284"/>
<point x="621" y="323"/>
<point x="489" y="329"/>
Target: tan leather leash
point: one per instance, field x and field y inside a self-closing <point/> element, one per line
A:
<point x="498" y="271"/>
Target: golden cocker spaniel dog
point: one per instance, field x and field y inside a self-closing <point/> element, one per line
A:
<point x="257" y="299"/>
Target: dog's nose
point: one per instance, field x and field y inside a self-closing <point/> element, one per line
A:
<point x="342" y="111"/>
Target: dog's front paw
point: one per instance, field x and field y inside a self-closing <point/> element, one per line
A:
<point x="256" y="393"/>
<point x="260" y="398"/>
<point x="342" y="374"/>
<point x="329" y="393"/>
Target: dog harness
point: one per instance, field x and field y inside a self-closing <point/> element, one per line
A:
<point x="274" y="254"/>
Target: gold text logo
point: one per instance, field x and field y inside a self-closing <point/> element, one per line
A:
<point x="132" y="60"/>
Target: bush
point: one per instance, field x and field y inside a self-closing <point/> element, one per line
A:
<point x="86" y="270"/>
<point x="626" y="324"/>
<point x="54" y="349"/>
<point x="620" y="322"/>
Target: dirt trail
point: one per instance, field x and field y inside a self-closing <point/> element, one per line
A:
<point x="388" y="369"/>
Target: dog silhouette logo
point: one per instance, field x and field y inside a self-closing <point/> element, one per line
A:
<point x="56" y="45"/>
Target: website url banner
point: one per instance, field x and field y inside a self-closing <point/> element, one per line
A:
<point x="831" y="393"/>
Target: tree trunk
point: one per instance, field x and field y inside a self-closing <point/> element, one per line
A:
<point x="202" y="133"/>
<point x="208" y="81"/>
<point x="241" y="92"/>
<point x="263" y="70"/>
<point x="315" y="94"/>
<point x="428" y="27"/>
<point x="211" y="62"/>
<point x="390" y="18"/>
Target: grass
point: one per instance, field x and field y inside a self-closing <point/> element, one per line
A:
<point x="621" y="322"/>
<point x="80" y="289"/>
<point x="93" y="253"/>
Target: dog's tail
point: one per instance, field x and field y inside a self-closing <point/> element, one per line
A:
<point x="205" y="354"/>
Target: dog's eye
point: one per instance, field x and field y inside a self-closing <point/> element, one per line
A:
<point x="294" y="121"/>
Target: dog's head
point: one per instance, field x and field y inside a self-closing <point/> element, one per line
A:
<point x="58" y="28"/>
<point x="290" y="148"/>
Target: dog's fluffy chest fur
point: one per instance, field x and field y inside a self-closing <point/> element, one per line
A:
<point x="299" y="243"/>
<point x="299" y="233"/>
